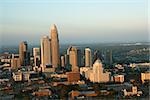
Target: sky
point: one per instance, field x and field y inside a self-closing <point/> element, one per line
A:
<point x="78" y="21"/>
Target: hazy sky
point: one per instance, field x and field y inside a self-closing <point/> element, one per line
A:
<point x="78" y="21"/>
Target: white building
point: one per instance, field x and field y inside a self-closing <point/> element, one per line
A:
<point x="96" y="73"/>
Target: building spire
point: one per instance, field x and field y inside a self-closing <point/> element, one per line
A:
<point x="53" y="27"/>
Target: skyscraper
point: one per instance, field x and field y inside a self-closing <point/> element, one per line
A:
<point x="79" y="56"/>
<point x="66" y="59"/>
<point x="73" y="58"/>
<point x="88" y="57"/>
<point x="23" y="53"/>
<point x="45" y="51"/>
<point x="108" y="57"/>
<point x="62" y="61"/>
<point x="36" y="55"/>
<point x="55" y="46"/>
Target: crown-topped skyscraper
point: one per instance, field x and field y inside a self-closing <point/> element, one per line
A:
<point x="55" y="46"/>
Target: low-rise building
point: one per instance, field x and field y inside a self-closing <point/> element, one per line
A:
<point x="15" y="61"/>
<point x="119" y="67"/>
<point x="6" y="60"/>
<point x="73" y="76"/>
<point x="81" y="94"/>
<point x="118" y="78"/>
<point x="134" y="91"/>
<point x="47" y="68"/>
<point x="17" y="76"/>
<point x="145" y="76"/>
<point x="84" y="71"/>
<point x="42" y="92"/>
<point x="59" y="75"/>
<point x="25" y="76"/>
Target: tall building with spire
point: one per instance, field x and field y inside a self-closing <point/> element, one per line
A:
<point x="55" y="46"/>
<point x="45" y="51"/>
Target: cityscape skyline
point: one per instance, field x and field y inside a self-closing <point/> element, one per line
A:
<point x="74" y="49"/>
<point x="101" y="20"/>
